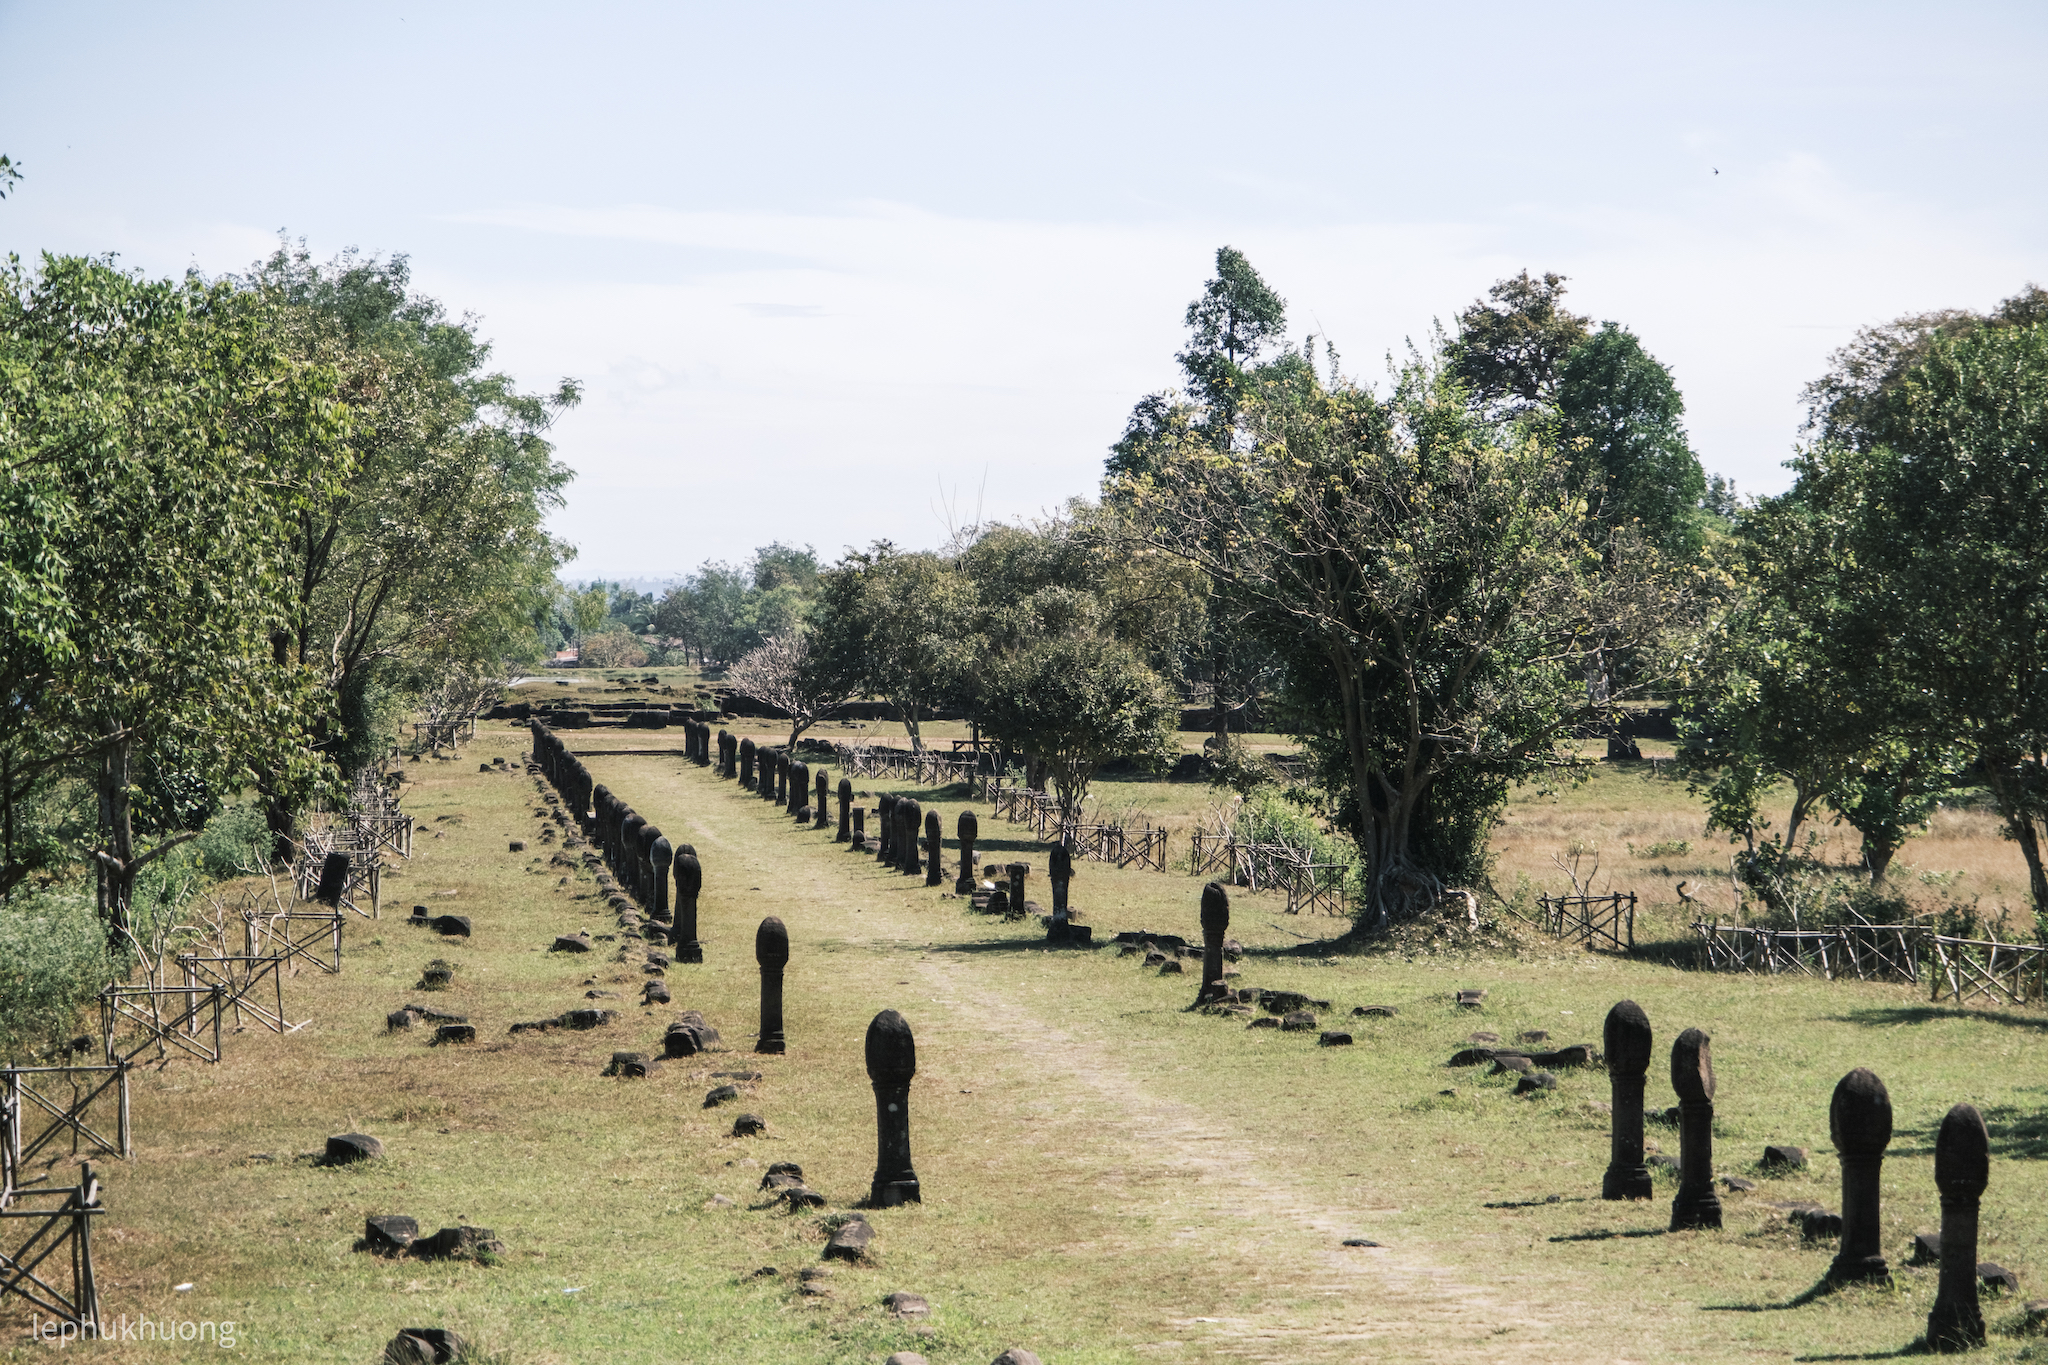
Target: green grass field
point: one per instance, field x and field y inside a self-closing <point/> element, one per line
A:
<point x="1108" y="1176"/>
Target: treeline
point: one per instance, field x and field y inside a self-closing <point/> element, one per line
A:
<point x="1442" y="582"/>
<point x="245" y="522"/>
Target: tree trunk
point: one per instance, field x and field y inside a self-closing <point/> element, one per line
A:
<point x="2008" y="784"/>
<point x="117" y="860"/>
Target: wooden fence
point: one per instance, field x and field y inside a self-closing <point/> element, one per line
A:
<point x="926" y="767"/>
<point x="157" y="1021"/>
<point x="1597" y="921"/>
<point x="63" y="1222"/>
<point x="1309" y="885"/>
<point x="1964" y="968"/>
<point x="36" y="1116"/>
<point x="1861" y="952"/>
<point x="1145" y="847"/>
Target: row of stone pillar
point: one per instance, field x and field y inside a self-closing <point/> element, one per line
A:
<point x="1859" y="1122"/>
<point x="639" y="855"/>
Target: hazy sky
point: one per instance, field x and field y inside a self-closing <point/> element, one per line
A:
<point x="827" y="271"/>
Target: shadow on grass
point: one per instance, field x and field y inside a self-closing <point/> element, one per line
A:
<point x="1879" y="1017"/>
<point x="1916" y="1347"/>
<point x="1542" y="1203"/>
<point x="1610" y="1234"/>
<point x="2019" y="1131"/>
<point x="1821" y="1289"/>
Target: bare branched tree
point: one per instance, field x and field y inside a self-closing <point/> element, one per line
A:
<point x="787" y="674"/>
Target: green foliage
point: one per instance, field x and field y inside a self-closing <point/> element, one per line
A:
<point x="234" y="841"/>
<point x="1618" y="425"/>
<point x="1511" y="344"/>
<point x="1268" y="816"/>
<point x="725" y="611"/>
<point x="53" y="959"/>
<point x="1077" y="702"/>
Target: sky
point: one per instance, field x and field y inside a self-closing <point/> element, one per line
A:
<point x="831" y="274"/>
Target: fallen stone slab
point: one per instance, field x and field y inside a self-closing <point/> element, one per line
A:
<point x="1172" y="966"/>
<point x="1482" y="1037"/>
<point x="1016" y="1355"/>
<point x="655" y="993"/>
<point x="1360" y="1242"/>
<point x="423" y="1346"/>
<point x="1267" y="1022"/>
<point x="749" y="1125"/>
<point x="802" y="1197"/>
<point x="850" y="1242"/>
<point x="1299" y="1021"/>
<point x="518" y="846"/>
<point x="1783" y="1158"/>
<point x="1374" y="1012"/>
<point x="454" y="1033"/>
<point x="578" y="942"/>
<point x="1283" y="1002"/>
<point x="1471" y="1000"/>
<point x="1926" y="1249"/>
<point x="1578" y="1054"/>
<point x="388" y="1234"/>
<point x="1535" y="1081"/>
<point x="462" y="1243"/>
<point x="346" y="1148"/>
<point x="636" y="1065"/>
<point x="1997" y="1278"/>
<point x="450" y="926"/>
<point x="1332" y="1038"/>
<point x="723" y="1094"/>
<point x="1532" y="1035"/>
<point x="1818" y="1225"/>
<point x="1735" y="1184"/>
<point x="1504" y="1062"/>
<point x="906" y="1305"/>
<point x="905" y="1358"/>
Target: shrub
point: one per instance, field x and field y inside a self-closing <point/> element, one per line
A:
<point x="234" y="841"/>
<point x="53" y="959"/>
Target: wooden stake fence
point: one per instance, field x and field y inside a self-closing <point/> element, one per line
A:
<point x="24" y="1102"/>
<point x="2009" y="973"/>
<point x="187" y="1029"/>
<point x="1597" y="921"/>
<point x="64" y="1226"/>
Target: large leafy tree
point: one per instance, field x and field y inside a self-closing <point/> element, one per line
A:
<point x="1511" y="345"/>
<point x="161" y="441"/>
<point x="900" y="624"/>
<point x="1431" y="582"/>
<point x="432" y="557"/>
<point x="1076" y="702"/>
<point x="1618" y="425"/>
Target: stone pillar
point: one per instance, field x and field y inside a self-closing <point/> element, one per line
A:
<point x="600" y="802"/>
<point x="771" y="950"/>
<point x="728" y="755"/>
<point x="1962" y="1168"/>
<point x="1860" y="1121"/>
<point x="629" y="854"/>
<point x="910" y="817"/>
<point x="1627" y="1040"/>
<point x="689" y="881"/>
<point x="781" y="792"/>
<point x="747" y="763"/>
<point x="1059" y="870"/>
<point x="845" y="811"/>
<point x="860" y="829"/>
<point x="1215" y="924"/>
<point x="649" y="835"/>
<point x="663" y="856"/>
<point x="934" y="849"/>
<point x="1018" y="872"/>
<point x="892" y="1063"/>
<point x="966" y="829"/>
<point x="704" y="743"/>
<point x="798" y="787"/>
<point x="885" y="817"/>
<point x="1692" y="1076"/>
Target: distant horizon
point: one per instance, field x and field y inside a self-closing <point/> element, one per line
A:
<point x="829" y="277"/>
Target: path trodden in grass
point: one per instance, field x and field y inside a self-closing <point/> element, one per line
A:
<point x="1106" y="1176"/>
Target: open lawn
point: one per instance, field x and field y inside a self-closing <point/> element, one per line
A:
<point x="1108" y="1176"/>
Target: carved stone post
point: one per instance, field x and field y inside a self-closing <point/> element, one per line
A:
<point x="845" y="811"/>
<point x="1860" y="1121"/>
<point x="1962" y="1168"/>
<point x="649" y="835"/>
<point x="885" y="817"/>
<point x="909" y="817"/>
<point x="821" y="807"/>
<point x="1215" y="924"/>
<point x="629" y="854"/>
<point x="1628" y="1043"/>
<point x="934" y="849"/>
<point x="860" y="829"/>
<point x="892" y="1063"/>
<point x="747" y="763"/>
<point x="1059" y="870"/>
<point x="689" y="881"/>
<point x="1692" y="1076"/>
<point x="966" y="829"/>
<point x="771" y="950"/>
<point x="663" y="856"/>
<point x="799" y="787"/>
<point x="1018" y="872"/>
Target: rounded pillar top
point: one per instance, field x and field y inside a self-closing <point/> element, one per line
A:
<point x="892" y="1052"/>
<point x="689" y="874"/>
<point x="887" y="801"/>
<point x="771" y="943"/>
<point x="967" y="826"/>
<point x="1215" y="908"/>
<point x="933" y="826"/>
<point x="1692" y="1067"/>
<point x="747" y="744"/>
<point x="1627" y="1040"/>
<point x="1059" y="864"/>
<point x="846" y="789"/>
<point x="1962" y="1152"/>
<point x="1860" y="1115"/>
<point x="663" y="853"/>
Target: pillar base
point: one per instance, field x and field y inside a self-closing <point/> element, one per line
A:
<point x="894" y="1193"/>
<point x="1627" y="1182"/>
<point x="1958" y="1327"/>
<point x="1859" y="1270"/>
<point x="1695" y="1211"/>
<point x="692" y="953"/>
<point x="775" y="1047"/>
